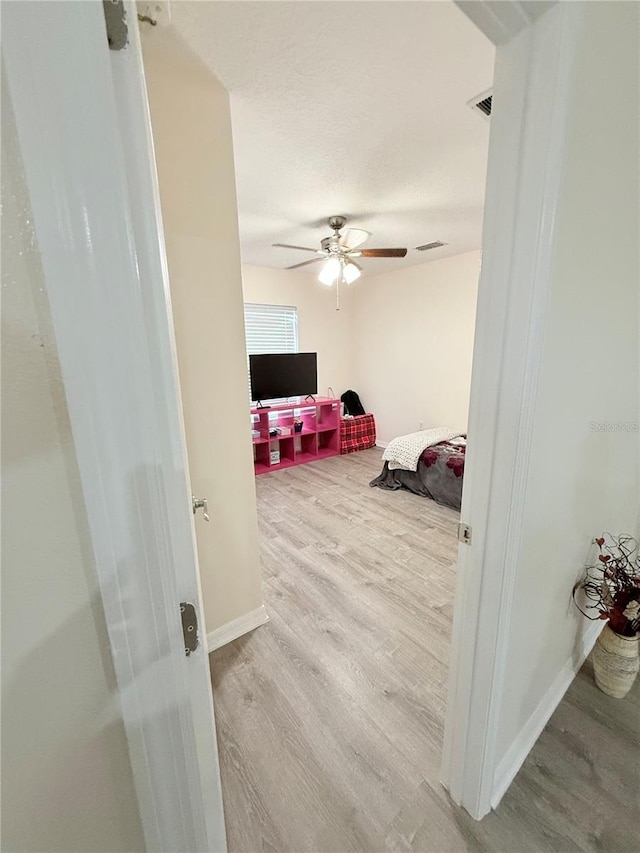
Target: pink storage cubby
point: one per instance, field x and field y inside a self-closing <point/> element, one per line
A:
<point x="319" y="438"/>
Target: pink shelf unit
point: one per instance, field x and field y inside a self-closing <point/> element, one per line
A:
<point x="319" y="438"/>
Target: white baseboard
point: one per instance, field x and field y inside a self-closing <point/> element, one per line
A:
<point x="521" y="747"/>
<point x="236" y="628"/>
<point x="382" y="444"/>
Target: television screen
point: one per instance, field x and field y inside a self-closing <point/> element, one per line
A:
<point x="283" y="375"/>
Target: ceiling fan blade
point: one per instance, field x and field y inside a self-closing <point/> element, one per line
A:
<point x="382" y="253"/>
<point x="353" y="237"/>
<point x="304" y="263"/>
<point x="288" y="246"/>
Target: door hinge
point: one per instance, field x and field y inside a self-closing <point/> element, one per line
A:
<point x="464" y="533"/>
<point x="116" y="20"/>
<point x="189" y="617"/>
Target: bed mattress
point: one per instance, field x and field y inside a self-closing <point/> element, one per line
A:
<point x="439" y="475"/>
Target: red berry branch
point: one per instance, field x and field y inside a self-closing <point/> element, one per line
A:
<point x="611" y="587"/>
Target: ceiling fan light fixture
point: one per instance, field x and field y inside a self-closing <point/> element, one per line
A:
<point x="330" y="272"/>
<point x="351" y="272"/>
<point x="339" y="249"/>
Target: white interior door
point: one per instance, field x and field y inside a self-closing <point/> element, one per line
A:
<point x="84" y="134"/>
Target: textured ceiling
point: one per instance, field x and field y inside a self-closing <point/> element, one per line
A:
<point x="354" y="108"/>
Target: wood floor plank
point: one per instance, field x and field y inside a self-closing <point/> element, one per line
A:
<point x="330" y="716"/>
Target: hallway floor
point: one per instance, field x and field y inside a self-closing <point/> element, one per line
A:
<point x="330" y="717"/>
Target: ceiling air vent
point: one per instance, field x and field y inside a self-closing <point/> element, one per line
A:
<point x="482" y="103"/>
<point x="435" y="245"/>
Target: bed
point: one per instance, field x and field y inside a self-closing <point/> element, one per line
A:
<point x="438" y="475"/>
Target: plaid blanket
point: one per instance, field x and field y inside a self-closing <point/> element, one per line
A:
<point x="357" y="433"/>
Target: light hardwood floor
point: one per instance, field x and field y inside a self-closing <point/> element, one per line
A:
<point x="330" y="717"/>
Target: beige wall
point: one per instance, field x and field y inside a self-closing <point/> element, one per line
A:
<point x="192" y="134"/>
<point x="584" y="480"/>
<point x="414" y="330"/>
<point x="321" y="328"/>
<point x="66" y="777"/>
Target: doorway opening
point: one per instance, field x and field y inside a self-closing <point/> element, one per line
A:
<point x="341" y="696"/>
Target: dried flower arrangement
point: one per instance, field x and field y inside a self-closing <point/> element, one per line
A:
<point x="612" y="586"/>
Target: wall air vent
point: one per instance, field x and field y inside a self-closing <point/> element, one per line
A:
<point x="482" y="103"/>
<point x="435" y="245"/>
<point x="485" y="105"/>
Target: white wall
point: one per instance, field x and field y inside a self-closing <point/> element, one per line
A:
<point x="414" y="330"/>
<point x="192" y="134"/>
<point x="66" y="777"/>
<point x="321" y="328"/>
<point x="583" y="481"/>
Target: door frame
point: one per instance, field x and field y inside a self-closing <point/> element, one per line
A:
<point x="109" y="296"/>
<point x="96" y="211"/>
<point x="535" y="56"/>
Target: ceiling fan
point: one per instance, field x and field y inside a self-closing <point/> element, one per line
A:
<point x="338" y="252"/>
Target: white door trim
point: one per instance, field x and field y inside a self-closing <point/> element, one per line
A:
<point x="95" y="211"/>
<point x="139" y="162"/>
<point x="501" y="20"/>
<point x="526" y="156"/>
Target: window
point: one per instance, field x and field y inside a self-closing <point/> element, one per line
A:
<point x="270" y="329"/>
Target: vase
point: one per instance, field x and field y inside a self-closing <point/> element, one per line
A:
<point x="615" y="662"/>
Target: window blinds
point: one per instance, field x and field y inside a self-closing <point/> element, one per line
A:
<point x="270" y="328"/>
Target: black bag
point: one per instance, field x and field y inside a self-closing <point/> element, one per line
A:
<point x="352" y="404"/>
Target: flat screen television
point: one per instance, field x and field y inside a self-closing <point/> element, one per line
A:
<point x="283" y="375"/>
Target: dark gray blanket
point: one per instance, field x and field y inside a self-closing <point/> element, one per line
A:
<point x="439" y="475"/>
